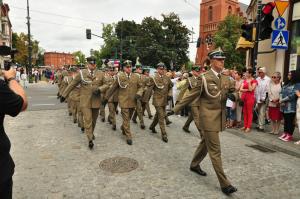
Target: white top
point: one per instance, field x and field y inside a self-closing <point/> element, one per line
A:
<point x="262" y="88"/>
<point x="273" y="93"/>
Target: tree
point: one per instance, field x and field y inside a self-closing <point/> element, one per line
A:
<point x="229" y="31"/>
<point x="79" y="58"/>
<point x="20" y="42"/>
<point x="111" y="42"/>
<point x="152" y="41"/>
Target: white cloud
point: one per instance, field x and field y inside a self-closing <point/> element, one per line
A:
<point x="63" y="34"/>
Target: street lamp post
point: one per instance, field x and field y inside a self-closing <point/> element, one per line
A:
<point x="29" y="43"/>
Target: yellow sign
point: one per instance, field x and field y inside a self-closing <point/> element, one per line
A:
<point x="281" y="6"/>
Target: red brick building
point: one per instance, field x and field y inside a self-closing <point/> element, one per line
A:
<point x="212" y="12"/>
<point x="56" y="59"/>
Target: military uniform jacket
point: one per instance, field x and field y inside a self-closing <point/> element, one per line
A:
<point x="193" y="82"/>
<point x="65" y="82"/>
<point x="212" y="103"/>
<point x="108" y="82"/>
<point x="147" y="89"/>
<point x="128" y="87"/>
<point x="162" y="88"/>
<point x="58" y="78"/>
<point x="75" y="93"/>
<point x="88" y="84"/>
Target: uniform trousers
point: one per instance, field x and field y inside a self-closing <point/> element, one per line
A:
<point x="160" y="117"/>
<point x="138" y="112"/>
<point x="102" y="111"/>
<point x="211" y="143"/>
<point x="126" y="116"/>
<point x="194" y="115"/>
<point x="112" y="106"/>
<point x="146" y="107"/>
<point x="90" y="116"/>
<point x="79" y="115"/>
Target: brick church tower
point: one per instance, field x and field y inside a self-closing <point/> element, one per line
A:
<point x="212" y="12"/>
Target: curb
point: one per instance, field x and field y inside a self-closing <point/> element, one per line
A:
<point x="271" y="145"/>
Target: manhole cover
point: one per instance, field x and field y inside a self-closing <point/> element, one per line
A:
<point x="119" y="165"/>
<point x="261" y="148"/>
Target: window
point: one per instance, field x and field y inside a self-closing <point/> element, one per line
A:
<point x="229" y="10"/>
<point x="210" y="13"/>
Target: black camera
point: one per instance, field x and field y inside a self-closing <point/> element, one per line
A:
<point x="7" y="65"/>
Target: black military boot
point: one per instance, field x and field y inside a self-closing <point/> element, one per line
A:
<point x="153" y="129"/>
<point x="165" y="139"/>
<point x="91" y="144"/>
<point x="129" y="141"/>
<point x="143" y="126"/>
<point x="114" y="127"/>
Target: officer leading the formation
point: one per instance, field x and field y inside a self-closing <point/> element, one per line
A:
<point x="214" y="90"/>
<point x="90" y="80"/>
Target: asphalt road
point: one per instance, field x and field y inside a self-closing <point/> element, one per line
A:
<point x="42" y="96"/>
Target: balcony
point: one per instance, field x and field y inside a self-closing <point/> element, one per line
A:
<point x="211" y="27"/>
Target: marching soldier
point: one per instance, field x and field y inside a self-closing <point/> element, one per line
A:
<point x="130" y="90"/>
<point x="113" y="100"/>
<point x="90" y="80"/>
<point x="58" y="80"/>
<point x="162" y="92"/>
<point x="62" y="86"/>
<point x="147" y="93"/>
<point x="214" y="90"/>
<point x="102" y="106"/>
<point x="193" y="82"/>
<point x="139" y="108"/>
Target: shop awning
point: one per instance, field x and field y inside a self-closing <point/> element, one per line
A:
<point x="242" y="44"/>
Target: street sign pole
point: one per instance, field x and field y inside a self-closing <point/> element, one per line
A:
<point x="255" y="52"/>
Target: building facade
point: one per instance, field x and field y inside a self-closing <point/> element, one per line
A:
<point x="278" y="60"/>
<point x="56" y="59"/>
<point x="212" y="12"/>
<point x="5" y="35"/>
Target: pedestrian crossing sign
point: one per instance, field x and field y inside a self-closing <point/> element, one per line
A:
<point x="280" y="39"/>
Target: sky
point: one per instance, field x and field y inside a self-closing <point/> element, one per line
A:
<point x="60" y="25"/>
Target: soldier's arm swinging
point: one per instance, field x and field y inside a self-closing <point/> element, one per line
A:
<point x="191" y="95"/>
<point x="71" y="86"/>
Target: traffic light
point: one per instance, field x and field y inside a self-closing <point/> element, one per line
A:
<point x="198" y="42"/>
<point x="88" y="33"/>
<point x="266" y="21"/>
<point x="247" y="32"/>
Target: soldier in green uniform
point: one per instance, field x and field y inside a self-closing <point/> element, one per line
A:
<point x="58" y="80"/>
<point x="130" y="90"/>
<point x="214" y="90"/>
<point x="162" y="92"/>
<point x="102" y="106"/>
<point x="147" y="93"/>
<point x="192" y="82"/>
<point x="139" y="109"/>
<point x="90" y="80"/>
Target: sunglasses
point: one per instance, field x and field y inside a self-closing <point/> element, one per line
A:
<point x="274" y="77"/>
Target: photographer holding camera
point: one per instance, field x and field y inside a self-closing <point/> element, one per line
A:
<point x="12" y="101"/>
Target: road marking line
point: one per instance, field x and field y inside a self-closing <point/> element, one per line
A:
<point x="43" y="104"/>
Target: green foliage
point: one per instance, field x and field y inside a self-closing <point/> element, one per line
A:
<point x="79" y="58"/>
<point x="20" y="42"/>
<point x="152" y="41"/>
<point x="227" y="36"/>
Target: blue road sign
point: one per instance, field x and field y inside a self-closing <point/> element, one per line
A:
<point x="280" y="39"/>
<point x="280" y="23"/>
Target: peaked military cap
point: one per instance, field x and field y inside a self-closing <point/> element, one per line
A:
<point x="160" y="65"/>
<point x="216" y="54"/>
<point x="127" y="63"/>
<point x="91" y="60"/>
<point x="146" y="70"/>
<point x="138" y="66"/>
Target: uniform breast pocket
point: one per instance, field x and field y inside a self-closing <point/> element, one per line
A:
<point x="213" y="89"/>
